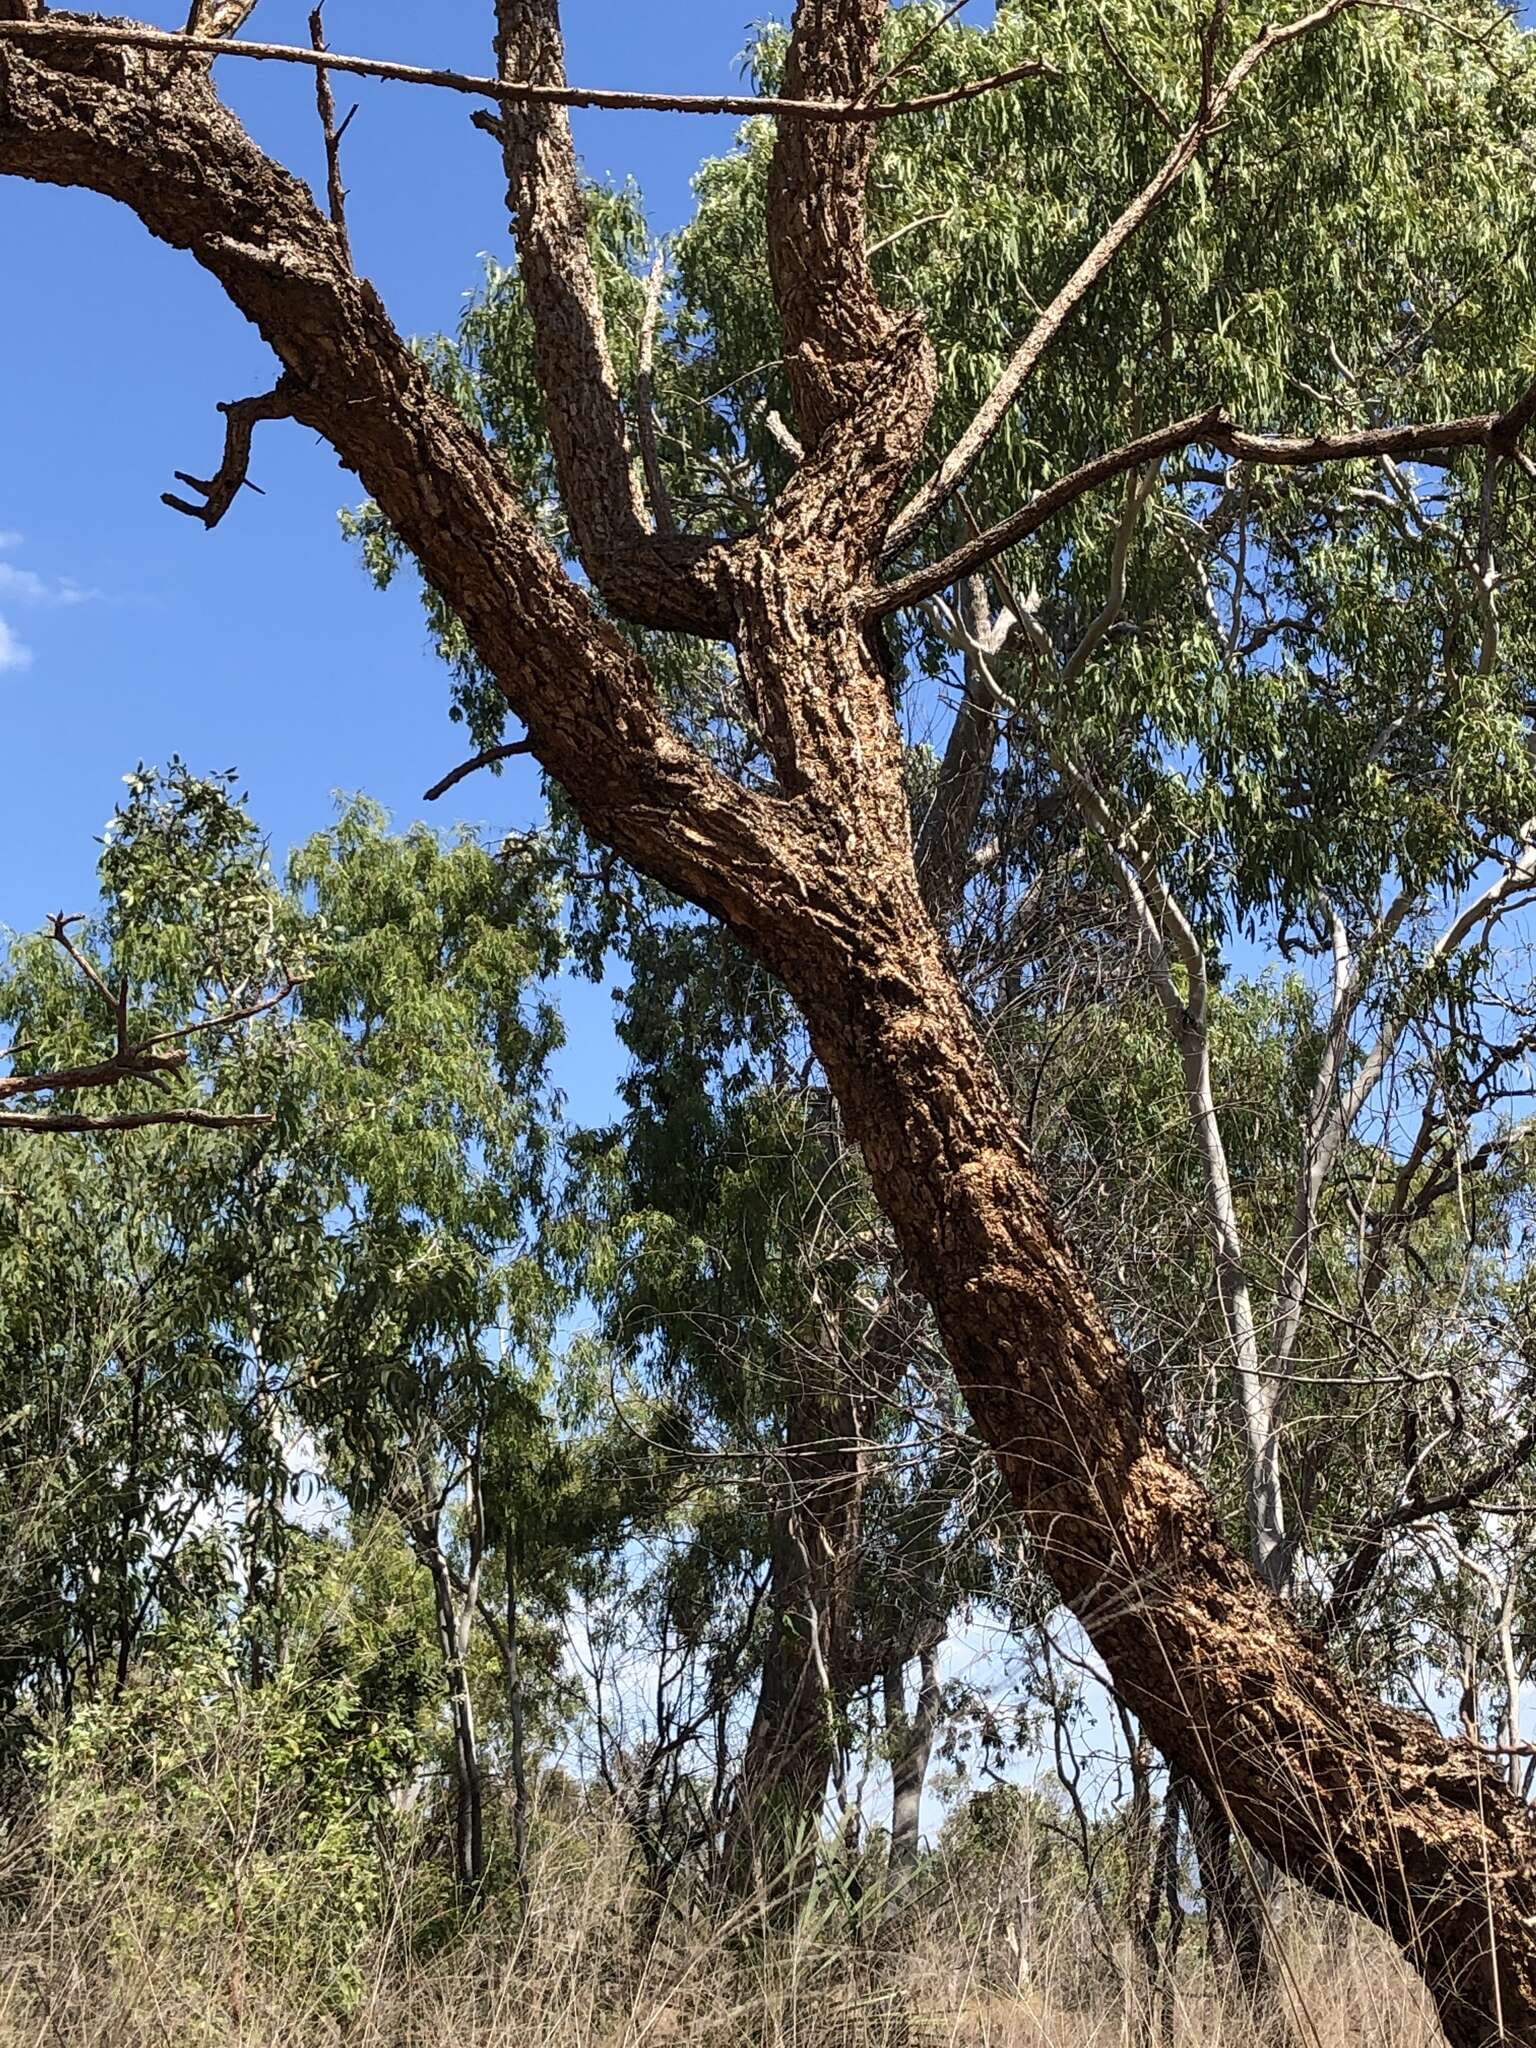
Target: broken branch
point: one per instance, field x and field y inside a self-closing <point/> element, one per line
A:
<point x="240" y="419"/>
<point x="488" y="758"/>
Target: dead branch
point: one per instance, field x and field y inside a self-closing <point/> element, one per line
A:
<point x="325" y="106"/>
<point x="928" y="36"/>
<point x="486" y="759"/>
<point x="240" y="419"/>
<point x="520" y="92"/>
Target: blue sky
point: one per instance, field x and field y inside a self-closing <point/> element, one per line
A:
<point x="128" y="633"/>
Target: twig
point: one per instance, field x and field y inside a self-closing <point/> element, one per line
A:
<point x="226" y="1018"/>
<point x="925" y="220"/>
<point x="1138" y="85"/>
<point x="1359" y="1567"/>
<point x="487" y="759"/>
<point x="240" y="419"/>
<point x="912" y="55"/>
<point x="325" y="103"/>
<point x="522" y="92"/>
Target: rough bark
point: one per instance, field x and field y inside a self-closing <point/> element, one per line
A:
<point x="666" y="581"/>
<point x="218" y="17"/>
<point x="1365" y="1803"/>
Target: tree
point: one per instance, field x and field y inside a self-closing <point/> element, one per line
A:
<point x="813" y="868"/>
<point x="338" y="1292"/>
<point x="1218" y="653"/>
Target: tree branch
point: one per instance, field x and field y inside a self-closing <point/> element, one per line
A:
<point x="1214" y="102"/>
<point x="509" y="91"/>
<point x="571" y="355"/>
<point x="325" y="106"/>
<point x="1213" y="430"/>
<point x="645" y="400"/>
<point x="488" y="758"/>
<point x="131" y="1059"/>
<point x="128" y="1120"/>
<point x="240" y="420"/>
<point x="211" y="19"/>
<point x="1354" y="1580"/>
<point x="582" y="406"/>
<point x="145" y="128"/>
<point x="834" y="323"/>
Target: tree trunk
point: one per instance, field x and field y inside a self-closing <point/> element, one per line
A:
<point x="792" y="1745"/>
<point x="1233" y="1908"/>
<point x="910" y="1738"/>
<point x="1368" y="1804"/>
<point x="518" y="1716"/>
<point x="1159" y="1955"/>
<point x="468" y="1777"/>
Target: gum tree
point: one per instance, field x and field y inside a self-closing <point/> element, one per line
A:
<point x="809" y="858"/>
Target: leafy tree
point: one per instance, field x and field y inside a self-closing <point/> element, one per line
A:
<point x="340" y="1292"/>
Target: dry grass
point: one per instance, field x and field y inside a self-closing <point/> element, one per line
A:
<point x="104" y="1963"/>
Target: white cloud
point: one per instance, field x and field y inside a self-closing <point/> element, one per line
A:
<point x="20" y="586"/>
<point x="13" y="655"/>
<point x="25" y="586"/>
